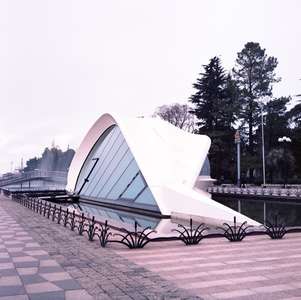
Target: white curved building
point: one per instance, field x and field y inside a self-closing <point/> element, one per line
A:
<point x="145" y="164"/>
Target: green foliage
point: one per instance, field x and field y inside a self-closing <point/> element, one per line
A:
<point x="216" y="108"/>
<point x="225" y="102"/>
<point x="254" y="74"/>
<point x="280" y="162"/>
<point x="215" y="90"/>
<point x="296" y="148"/>
<point x="276" y="121"/>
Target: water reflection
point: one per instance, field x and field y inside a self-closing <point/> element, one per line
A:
<point x="121" y="218"/>
<point x="289" y="212"/>
<point x="259" y="210"/>
<point x="126" y="220"/>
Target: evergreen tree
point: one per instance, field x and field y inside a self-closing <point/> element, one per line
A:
<point x="276" y="121"/>
<point x="209" y="95"/>
<point x="294" y="116"/>
<point x="215" y="106"/>
<point x="32" y="164"/>
<point x="254" y="74"/>
<point x="281" y="164"/>
<point x="275" y="126"/>
<point x="231" y="103"/>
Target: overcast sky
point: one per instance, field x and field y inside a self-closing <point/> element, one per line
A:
<point x="64" y="63"/>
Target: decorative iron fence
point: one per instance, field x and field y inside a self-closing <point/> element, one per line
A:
<point x="105" y="233"/>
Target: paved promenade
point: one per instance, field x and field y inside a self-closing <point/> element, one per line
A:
<point x="27" y="271"/>
<point x="256" y="268"/>
<point x="41" y="260"/>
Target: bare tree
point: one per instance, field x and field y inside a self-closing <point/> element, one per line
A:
<point x="177" y="114"/>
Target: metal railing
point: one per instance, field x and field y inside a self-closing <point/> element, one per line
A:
<point x="259" y="191"/>
<point x="192" y="234"/>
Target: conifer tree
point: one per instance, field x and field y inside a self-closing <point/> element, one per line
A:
<point x="209" y="96"/>
<point x="215" y="106"/>
<point x="254" y="74"/>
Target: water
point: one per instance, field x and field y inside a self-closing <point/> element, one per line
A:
<point x="126" y="220"/>
<point x="288" y="212"/>
<point x="120" y="219"/>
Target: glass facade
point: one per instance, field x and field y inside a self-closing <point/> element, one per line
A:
<point x="205" y="171"/>
<point x="110" y="173"/>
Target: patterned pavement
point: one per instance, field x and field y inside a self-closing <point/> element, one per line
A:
<point x="27" y="271"/>
<point x="256" y="268"/>
<point x="40" y="259"/>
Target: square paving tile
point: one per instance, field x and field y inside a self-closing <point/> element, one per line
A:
<point x="9" y="280"/>
<point x="36" y="252"/>
<point x="8" y="272"/>
<point x="32" y="245"/>
<point x="77" y="295"/>
<point x="56" y="276"/>
<point x="27" y="271"/>
<point x="5" y="260"/>
<point x="27" y="264"/>
<point x="48" y="263"/>
<point x="23" y="259"/>
<point x="49" y="296"/>
<point x="14" y="249"/>
<point x="69" y="284"/>
<point x="4" y="255"/>
<point x="16" y="297"/>
<point x="21" y="233"/>
<point x="12" y="290"/>
<point x="43" y="287"/>
<point x="29" y="279"/>
<point x="14" y="243"/>
<point x="7" y="265"/>
<point x="24" y="238"/>
<point x="55" y="269"/>
<point x="16" y="254"/>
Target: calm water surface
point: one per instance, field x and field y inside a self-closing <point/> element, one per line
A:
<point x="288" y="212"/>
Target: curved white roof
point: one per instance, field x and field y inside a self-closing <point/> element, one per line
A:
<point x="170" y="160"/>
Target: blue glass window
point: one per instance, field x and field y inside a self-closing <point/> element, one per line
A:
<point x="110" y="173"/>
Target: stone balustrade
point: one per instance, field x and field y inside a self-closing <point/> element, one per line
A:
<point x="274" y="191"/>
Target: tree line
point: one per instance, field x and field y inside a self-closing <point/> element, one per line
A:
<point x="227" y="101"/>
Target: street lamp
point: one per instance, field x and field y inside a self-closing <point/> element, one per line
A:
<point x="285" y="140"/>
<point x="237" y="142"/>
<point x="262" y="140"/>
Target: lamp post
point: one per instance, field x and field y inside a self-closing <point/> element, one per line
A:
<point x="262" y="143"/>
<point x="237" y="142"/>
<point x="285" y="140"/>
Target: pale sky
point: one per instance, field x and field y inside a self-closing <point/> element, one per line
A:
<point x="64" y="63"/>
